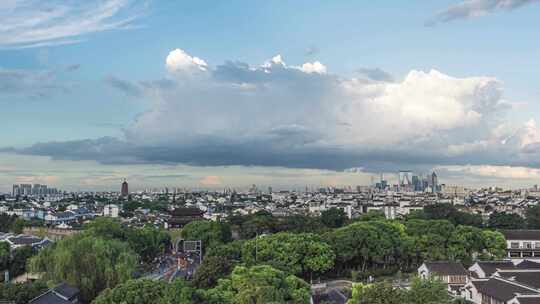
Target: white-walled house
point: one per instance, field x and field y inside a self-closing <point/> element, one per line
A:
<point x="111" y="210"/>
<point x="522" y="244"/>
<point x="451" y="273"/>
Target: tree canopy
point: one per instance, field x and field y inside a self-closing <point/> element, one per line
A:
<point x="503" y="220"/>
<point x="532" y="214"/>
<point x="209" y="232"/>
<point x="333" y="217"/>
<point x="146" y="291"/>
<point x="148" y="242"/>
<point x="421" y="292"/>
<point x="22" y="293"/>
<point x="259" y="285"/>
<point x="300" y="254"/>
<point x="90" y="263"/>
<point x="451" y="213"/>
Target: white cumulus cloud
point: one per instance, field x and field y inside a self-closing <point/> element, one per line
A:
<point x="179" y="60"/>
<point x="313" y="67"/>
<point x="276" y="114"/>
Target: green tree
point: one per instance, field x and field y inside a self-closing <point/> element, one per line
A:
<point x="209" y="232"/>
<point x="251" y="225"/>
<point x="18" y="225"/>
<point x="148" y="242"/>
<point x="298" y="224"/>
<point x="465" y="242"/>
<point x="6" y="221"/>
<point x="211" y="270"/>
<point x="105" y="227"/>
<point x="300" y="254"/>
<point x="19" y="259"/>
<point x="5" y="255"/>
<point x="532" y="214"/>
<point x="503" y="220"/>
<point x="421" y="292"/>
<point x="259" y="285"/>
<point x="365" y="244"/>
<point x="146" y="291"/>
<point x="377" y="293"/>
<point x="22" y="293"/>
<point x="87" y="262"/>
<point x="494" y="245"/>
<point x="372" y="215"/>
<point x="430" y="238"/>
<point x="231" y="251"/>
<point x="427" y="292"/>
<point x="333" y="217"/>
<point x="451" y="213"/>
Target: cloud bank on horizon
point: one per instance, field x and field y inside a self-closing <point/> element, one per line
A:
<point x="304" y="116"/>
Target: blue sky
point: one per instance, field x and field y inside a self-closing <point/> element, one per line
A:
<point x="62" y="82"/>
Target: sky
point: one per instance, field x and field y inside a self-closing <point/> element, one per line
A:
<point x="214" y="94"/>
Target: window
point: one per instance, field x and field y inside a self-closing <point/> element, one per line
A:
<point x="515" y="255"/>
<point x="457" y="279"/>
<point x="537" y="254"/>
<point x="537" y="245"/>
<point x="514" y="245"/>
<point x="526" y="254"/>
<point x="527" y="245"/>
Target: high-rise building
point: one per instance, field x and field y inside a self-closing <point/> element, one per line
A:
<point x="26" y="189"/>
<point x="36" y="189"/>
<point x="417" y="183"/>
<point x="125" y="189"/>
<point x="16" y="190"/>
<point x="434" y="183"/>
<point x="43" y="190"/>
<point x="405" y="180"/>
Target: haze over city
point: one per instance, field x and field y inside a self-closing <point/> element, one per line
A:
<point x="206" y="94"/>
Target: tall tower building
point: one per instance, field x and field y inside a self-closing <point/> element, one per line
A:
<point x="125" y="189"/>
<point x="16" y="190"/>
<point x="434" y="182"/>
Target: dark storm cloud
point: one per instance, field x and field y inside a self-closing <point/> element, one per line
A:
<point x="215" y="152"/>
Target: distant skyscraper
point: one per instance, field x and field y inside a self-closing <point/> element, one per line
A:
<point x="16" y="190"/>
<point x="125" y="189"/>
<point x="434" y="182"/>
<point x="405" y="180"/>
<point x="26" y="189"/>
<point x="417" y="183"/>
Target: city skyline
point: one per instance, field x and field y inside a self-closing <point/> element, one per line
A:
<point x="213" y="95"/>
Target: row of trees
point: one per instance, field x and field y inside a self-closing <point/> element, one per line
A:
<point x="106" y="255"/>
<point x="11" y="223"/>
<point x="497" y="220"/>
<point x="421" y="292"/>
<point x="372" y="246"/>
<point x="102" y="256"/>
<point x="245" y="285"/>
<point x="390" y="244"/>
<point x="21" y="293"/>
<point x="14" y="260"/>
